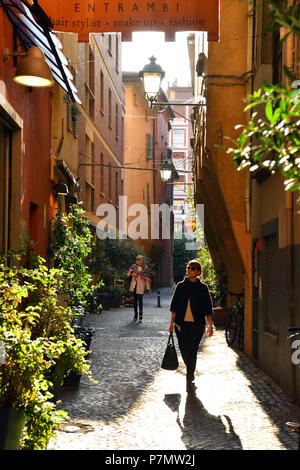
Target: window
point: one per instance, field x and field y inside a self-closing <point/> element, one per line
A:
<point x="33" y="228"/>
<point x="72" y="111"/>
<point x="162" y="125"/>
<point x="89" y="196"/>
<point x="149" y="147"/>
<point x="109" y="181"/>
<point x="117" y="122"/>
<point x="178" y="137"/>
<point x="69" y="117"/>
<point x="101" y="173"/>
<point x="89" y="83"/>
<point x="148" y="197"/>
<point x="116" y="189"/>
<point x="101" y="93"/>
<point x="117" y="53"/>
<point x="109" y="109"/>
<point x="109" y="44"/>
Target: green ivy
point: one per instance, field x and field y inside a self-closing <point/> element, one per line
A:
<point x="69" y="247"/>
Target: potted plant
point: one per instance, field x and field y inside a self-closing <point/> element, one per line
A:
<point x="221" y="312"/>
<point x="73" y="375"/>
<point x="35" y="333"/>
<point x="216" y="279"/>
<point x="71" y="243"/>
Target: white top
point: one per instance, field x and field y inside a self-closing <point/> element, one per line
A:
<point x="189" y="314"/>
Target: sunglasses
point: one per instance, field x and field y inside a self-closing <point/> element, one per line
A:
<point x="191" y="268"/>
<point x="138" y="259"/>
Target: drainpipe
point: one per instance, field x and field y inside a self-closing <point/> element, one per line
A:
<point x="154" y="156"/>
<point x="248" y="177"/>
<point x="247" y="200"/>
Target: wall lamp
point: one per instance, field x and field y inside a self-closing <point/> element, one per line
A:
<point x="61" y="189"/>
<point x="33" y="71"/>
<point x="152" y="76"/>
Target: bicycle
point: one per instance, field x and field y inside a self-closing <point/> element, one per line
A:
<point x="235" y="324"/>
<point x="294" y="426"/>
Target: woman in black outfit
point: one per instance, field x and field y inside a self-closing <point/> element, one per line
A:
<point x="191" y="306"/>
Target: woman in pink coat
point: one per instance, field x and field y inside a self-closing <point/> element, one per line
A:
<point x="140" y="280"/>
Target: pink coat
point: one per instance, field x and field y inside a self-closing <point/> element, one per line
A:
<point x="139" y="279"/>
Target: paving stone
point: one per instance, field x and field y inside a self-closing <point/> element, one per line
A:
<point x="137" y="405"/>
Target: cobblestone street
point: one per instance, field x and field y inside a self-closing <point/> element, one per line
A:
<point x="137" y="405"/>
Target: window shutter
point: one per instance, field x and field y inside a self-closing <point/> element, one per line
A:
<point x="69" y="117"/>
<point x="149" y="147"/>
<point x="76" y="127"/>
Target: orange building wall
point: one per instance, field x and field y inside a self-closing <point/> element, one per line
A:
<point x="137" y="124"/>
<point x="33" y="106"/>
<point x="227" y="86"/>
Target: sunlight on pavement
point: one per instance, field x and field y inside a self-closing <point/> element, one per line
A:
<point x="236" y="406"/>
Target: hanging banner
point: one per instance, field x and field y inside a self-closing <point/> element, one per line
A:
<point x="126" y="16"/>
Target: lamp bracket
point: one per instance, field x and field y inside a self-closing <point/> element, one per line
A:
<point x="6" y="54"/>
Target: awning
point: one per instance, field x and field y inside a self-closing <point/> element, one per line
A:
<point x="102" y="224"/>
<point x="34" y="31"/>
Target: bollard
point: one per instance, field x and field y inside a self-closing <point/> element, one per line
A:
<point x="158" y="299"/>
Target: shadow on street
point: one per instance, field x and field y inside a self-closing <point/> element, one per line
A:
<point x="125" y="357"/>
<point x="200" y="429"/>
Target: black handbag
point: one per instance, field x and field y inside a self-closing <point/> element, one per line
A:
<point x="170" y="359"/>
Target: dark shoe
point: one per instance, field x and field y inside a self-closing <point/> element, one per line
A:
<point x="135" y="317"/>
<point x="190" y="387"/>
<point x="141" y="318"/>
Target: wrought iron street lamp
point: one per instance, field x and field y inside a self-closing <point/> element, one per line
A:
<point x="152" y="76"/>
<point x="166" y="171"/>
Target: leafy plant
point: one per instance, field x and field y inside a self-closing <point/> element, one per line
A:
<point x="110" y="260"/>
<point x="181" y="256"/>
<point x="36" y="333"/>
<point x="208" y="270"/>
<point x="287" y="16"/>
<point x="70" y="245"/>
<point x="272" y="141"/>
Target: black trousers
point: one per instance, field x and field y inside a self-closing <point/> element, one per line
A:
<point x="137" y="303"/>
<point x="189" y="338"/>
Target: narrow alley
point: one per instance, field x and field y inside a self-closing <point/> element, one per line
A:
<point x="139" y="406"/>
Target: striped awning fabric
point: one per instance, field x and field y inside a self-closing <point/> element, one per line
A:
<point x="33" y="28"/>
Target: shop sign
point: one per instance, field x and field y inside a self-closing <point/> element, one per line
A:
<point x="127" y="16"/>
